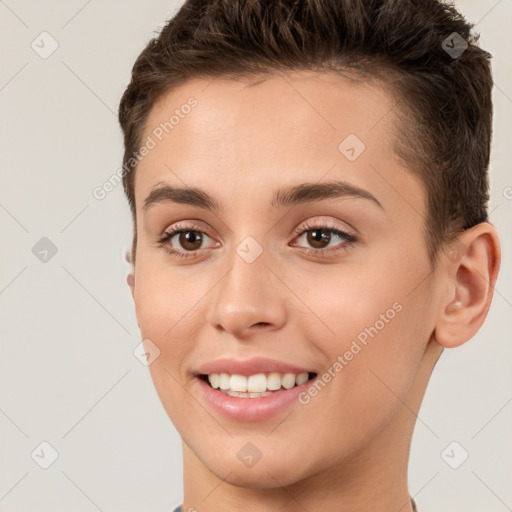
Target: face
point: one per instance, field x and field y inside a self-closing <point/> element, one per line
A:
<point x="271" y="272"/>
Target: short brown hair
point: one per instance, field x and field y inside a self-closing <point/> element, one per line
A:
<point x="443" y="99"/>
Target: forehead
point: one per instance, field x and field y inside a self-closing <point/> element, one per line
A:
<point x="241" y="138"/>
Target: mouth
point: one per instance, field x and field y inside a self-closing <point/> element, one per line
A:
<point x="258" y="385"/>
<point x="253" y="389"/>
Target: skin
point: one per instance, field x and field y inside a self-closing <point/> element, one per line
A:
<point x="348" y="448"/>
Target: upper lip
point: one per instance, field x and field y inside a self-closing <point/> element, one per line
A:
<point x="249" y="366"/>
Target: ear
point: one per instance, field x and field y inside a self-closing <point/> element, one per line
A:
<point x="470" y="265"/>
<point x="130" y="278"/>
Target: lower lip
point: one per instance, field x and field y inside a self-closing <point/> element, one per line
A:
<point x="251" y="409"/>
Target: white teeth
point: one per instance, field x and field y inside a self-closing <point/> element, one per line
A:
<point x="238" y="383"/>
<point x="256" y="385"/>
<point x="288" y="381"/>
<point x="246" y="395"/>
<point x="223" y="380"/>
<point x="214" y="380"/>
<point x="301" y="378"/>
<point x="257" y="395"/>
<point x="274" y="381"/>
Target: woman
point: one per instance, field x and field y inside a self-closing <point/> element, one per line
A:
<point x="309" y="194"/>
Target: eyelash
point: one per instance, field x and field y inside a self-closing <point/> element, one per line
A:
<point x="349" y="239"/>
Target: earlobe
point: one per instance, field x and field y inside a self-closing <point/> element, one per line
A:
<point x="130" y="279"/>
<point x="470" y="281"/>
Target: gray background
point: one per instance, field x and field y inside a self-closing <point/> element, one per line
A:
<point x="68" y="373"/>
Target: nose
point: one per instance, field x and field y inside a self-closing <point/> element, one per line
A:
<point x="247" y="299"/>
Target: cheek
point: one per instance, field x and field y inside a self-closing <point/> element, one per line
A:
<point x="164" y="310"/>
<point x="170" y="312"/>
<point x="373" y="330"/>
<point x="161" y="300"/>
<point x="377" y="381"/>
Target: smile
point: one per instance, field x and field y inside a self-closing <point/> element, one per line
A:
<point x="255" y="397"/>
<point x="257" y="385"/>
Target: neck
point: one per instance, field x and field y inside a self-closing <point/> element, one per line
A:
<point x="373" y="480"/>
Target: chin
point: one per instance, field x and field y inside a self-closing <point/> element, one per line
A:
<point x="270" y="471"/>
<point x="253" y="478"/>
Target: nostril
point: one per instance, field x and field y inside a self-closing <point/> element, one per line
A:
<point x="261" y="324"/>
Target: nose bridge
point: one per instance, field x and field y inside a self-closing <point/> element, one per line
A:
<point x="247" y="297"/>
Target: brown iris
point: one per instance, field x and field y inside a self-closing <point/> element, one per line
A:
<point x="318" y="237"/>
<point x="190" y="240"/>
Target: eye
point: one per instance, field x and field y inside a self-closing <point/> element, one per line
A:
<point x="189" y="237"/>
<point x="320" y="236"/>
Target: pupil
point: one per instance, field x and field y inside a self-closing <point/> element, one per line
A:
<point x="187" y="238"/>
<point x="319" y="236"/>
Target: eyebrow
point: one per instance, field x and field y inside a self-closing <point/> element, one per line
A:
<point x="298" y="194"/>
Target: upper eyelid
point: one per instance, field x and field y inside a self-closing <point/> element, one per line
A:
<point x="326" y="224"/>
<point x="310" y="222"/>
<point x="303" y="226"/>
